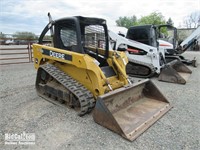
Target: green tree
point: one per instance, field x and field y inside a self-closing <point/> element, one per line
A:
<point x="2" y="35"/>
<point x="155" y="18"/>
<point x="126" y="21"/>
<point x="47" y="37"/>
<point x="25" y="36"/>
<point x="170" y="22"/>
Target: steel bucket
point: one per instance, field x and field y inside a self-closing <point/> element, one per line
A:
<point x="130" y="110"/>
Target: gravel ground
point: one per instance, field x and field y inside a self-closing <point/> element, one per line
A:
<point x="59" y="128"/>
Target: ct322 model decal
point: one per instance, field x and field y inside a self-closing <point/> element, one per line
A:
<point x="57" y="54"/>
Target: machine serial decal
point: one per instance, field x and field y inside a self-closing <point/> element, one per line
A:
<point x="57" y="54"/>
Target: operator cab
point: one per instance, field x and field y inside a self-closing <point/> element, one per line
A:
<point x="144" y="34"/>
<point x="80" y="34"/>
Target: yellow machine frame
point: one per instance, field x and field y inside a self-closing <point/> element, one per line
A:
<point x="85" y="69"/>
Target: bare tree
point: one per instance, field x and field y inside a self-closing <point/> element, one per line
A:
<point x="192" y="20"/>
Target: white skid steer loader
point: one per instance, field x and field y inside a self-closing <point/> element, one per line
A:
<point x="146" y="61"/>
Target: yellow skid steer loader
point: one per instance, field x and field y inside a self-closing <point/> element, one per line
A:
<point x="79" y="71"/>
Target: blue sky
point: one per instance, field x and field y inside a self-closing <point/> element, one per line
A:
<point x="31" y="15"/>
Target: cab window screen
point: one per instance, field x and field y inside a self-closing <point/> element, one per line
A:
<point x="95" y="36"/>
<point x="68" y="34"/>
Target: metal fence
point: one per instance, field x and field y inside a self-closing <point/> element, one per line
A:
<point x="15" y="54"/>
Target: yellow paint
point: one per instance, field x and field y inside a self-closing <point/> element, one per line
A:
<point x="83" y="68"/>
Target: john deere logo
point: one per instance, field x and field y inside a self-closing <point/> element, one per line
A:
<point x="57" y="55"/>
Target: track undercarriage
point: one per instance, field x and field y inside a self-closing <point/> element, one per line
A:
<point x="59" y="88"/>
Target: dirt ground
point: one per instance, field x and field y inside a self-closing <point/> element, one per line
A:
<point x="22" y="110"/>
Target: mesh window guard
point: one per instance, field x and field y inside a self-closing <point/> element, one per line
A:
<point x="95" y="36"/>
